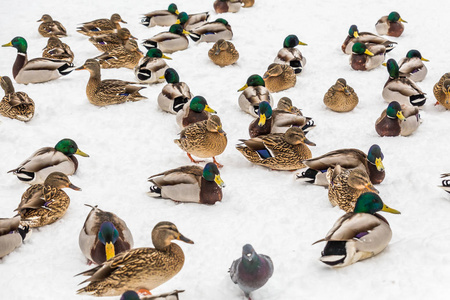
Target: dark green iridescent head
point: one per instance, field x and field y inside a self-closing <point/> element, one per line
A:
<point x="108" y="233"/>
<point x="265" y="109"/>
<point x="371" y="203"/>
<point x="393" y="109"/>
<point x="182" y="17"/>
<point x="413" y="53"/>
<point x="255" y="80"/>
<point x="352" y="30"/>
<point x="291" y="41"/>
<point x="176" y="28"/>
<point x="154" y="52"/>
<point x="19" y="43"/>
<point x="392" y="68"/>
<point x="171" y="76"/>
<point x="130" y="295"/>
<point x="394" y="16"/>
<point x="374" y="153"/>
<point x="359" y="48"/>
<point x="173" y="8"/>
<point x="210" y="171"/>
<point x="223" y="21"/>
<point x="67" y="146"/>
<point x="198" y="104"/>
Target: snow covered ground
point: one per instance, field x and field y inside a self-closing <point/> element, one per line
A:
<point x="279" y="216"/>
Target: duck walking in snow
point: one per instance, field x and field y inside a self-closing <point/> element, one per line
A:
<point x="15" y="105"/>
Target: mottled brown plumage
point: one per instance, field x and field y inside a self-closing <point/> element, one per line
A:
<point x="248" y="3"/>
<point x="279" y="77"/>
<point x="223" y="53"/>
<point x="15" y="105"/>
<point x="108" y="42"/>
<point x="56" y="49"/>
<point x="223" y="6"/>
<point x="101" y="26"/>
<point x="50" y="27"/>
<point x="341" y="97"/>
<point x="441" y="90"/>
<point x="126" y="56"/>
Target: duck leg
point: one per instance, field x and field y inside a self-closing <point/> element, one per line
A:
<point x="216" y="163"/>
<point x="193" y="160"/>
<point x="144" y="292"/>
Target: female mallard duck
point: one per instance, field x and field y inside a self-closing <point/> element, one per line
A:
<point x="189" y="184"/>
<point x="169" y="41"/>
<point x="390" y="25"/>
<point x="359" y="234"/>
<point x="44" y="161"/>
<point x="366" y="57"/>
<point x="161" y="17"/>
<point x="101" y="26"/>
<point x="139" y="268"/>
<point x="126" y="56"/>
<point x="190" y="22"/>
<point x="103" y="236"/>
<point x="396" y="120"/>
<point x="401" y="89"/>
<point x="174" y="94"/>
<point x="286" y="115"/>
<point x="441" y="91"/>
<point x="345" y="186"/>
<point x="50" y="27"/>
<point x="56" y="49"/>
<point x="108" y="42"/>
<point x="278" y="151"/>
<point x="111" y="91"/>
<point x="254" y="92"/>
<point x="132" y="295"/>
<point x="196" y="110"/>
<point x="279" y="77"/>
<point x="223" y="6"/>
<point x="290" y="55"/>
<point x="151" y="67"/>
<point x="366" y="38"/>
<point x="15" y="105"/>
<point x="412" y="66"/>
<point x="341" y="97"/>
<point x="211" y="32"/>
<point x="203" y="139"/>
<point x="371" y="163"/>
<point x="223" y="53"/>
<point x="38" y="69"/>
<point x="45" y="203"/>
<point x="12" y="235"/>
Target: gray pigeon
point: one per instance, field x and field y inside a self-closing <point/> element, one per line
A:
<point x="251" y="271"/>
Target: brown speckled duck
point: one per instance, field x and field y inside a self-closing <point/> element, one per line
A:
<point x="101" y="26"/>
<point x="279" y="77"/>
<point x="441" y="91"/>
<point x="50" y="27"/>
<point x="341" y="97"/>
<point x="366" y="57"/>
<point x="277" y="151"/>
<point x="196" y="110"/>
<point x="56" y="49"/>
<point x="398" y="120"/>
<point x="139" y="268"/>
<point x="223" y="53"/>
<point x="126" y="56"/>
<point x="108" y="42"/>
<point x="46" y="203"/>
<point x="189" y="184"/>
<point x="391" y="25"/>
<point x="15" y="105"/>
<point x="111" y="91"/>
<point x="224" y="6"/>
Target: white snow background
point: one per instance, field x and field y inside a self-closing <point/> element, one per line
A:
<point x="279" y="216"/>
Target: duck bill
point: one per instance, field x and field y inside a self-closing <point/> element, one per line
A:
<point x="368" y="52"/>
<point x="122" y="21"/>
<point x="184" y="239"/>
<point x="401" y="20"/>
<point x="371" y="188"/>
<point x="209" y="109"/>
<point x="384" y="64"/>
<point x="8" y="45"/>
<point x="177" y="12"/>
<point x="109" y="250"/>
<point x="80" y="68"/>
<point x="424" y="59"/>
<point x="262" y="120"/>
<point x="220" y="130"/>
<point x="379" y="164"/>
<point x="133" y="37"/>
<point x="186" y="32"/>
<point x="401" y="116"/>
<point x="74" y="187"/>
<point x="243" y="88"/>
<point x="308" y="142"/>
<point x="166" y="57"/>
<point x="390" y="210"/>
<point x="219" y="181"/>
<point x="178" y="22"/>
<point x="355" y="34"/>
<point x="81" y="153"/>
<point x="303" y="44"/>
<point x="161" y="77"/>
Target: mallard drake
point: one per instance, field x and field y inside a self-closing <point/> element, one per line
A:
<point x="50" y="27"/>
<point x="161" y="17"/>
<point x="189" y="184"/>
<point x="15" y="105"/>
<point x="196" y="110"/>
<point x="108" y="42"/>
<point x="139" y="268"/>
<point x="190" y="22"/>
<point x="103" y="236"/>
<point x="101" y="26"/>
<point x="359" y="234"/>
<point x="278" y="151"/>
<point x="40" y="164"/>
<point x="279" y="77"/>
<point x="412" y="66"/>
<point x="12" y="235"/>
<point x="203" y="139"/>
<point x="366" y="38"/>
<point x="174" y="94"/>
<point x="211" y="32"/>
<point x="111" y="91"/>
<point x="254" y="92"/>
<point x="126" y="56"/>
<point x="371" y="163"/>
<point x="169" y="41"/>
<point x="223" y="6"/>
<point x="397" y="120"/>
<point x="445" y="182"/>
<point x="45" y="203"/>
<point x="56" y="49"/>
<point x="223" y="53"/>
<point x="132" y="295"/>
<point x="290" y="55"/>
<point x="390" y="25"/>
<point x="345" y="186"/>
<point x="441" y="91"/>
<point x="401" y="89"/>
<point x="251" y="271"/>
<point x="366" y="57"/>
<point x="38" y="69"/>
<point x="248" y="3"/>
<point x="151" y="67"/>
<point x="340" y="97"/>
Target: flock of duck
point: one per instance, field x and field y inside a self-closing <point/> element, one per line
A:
<point x="277" y="141"/>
